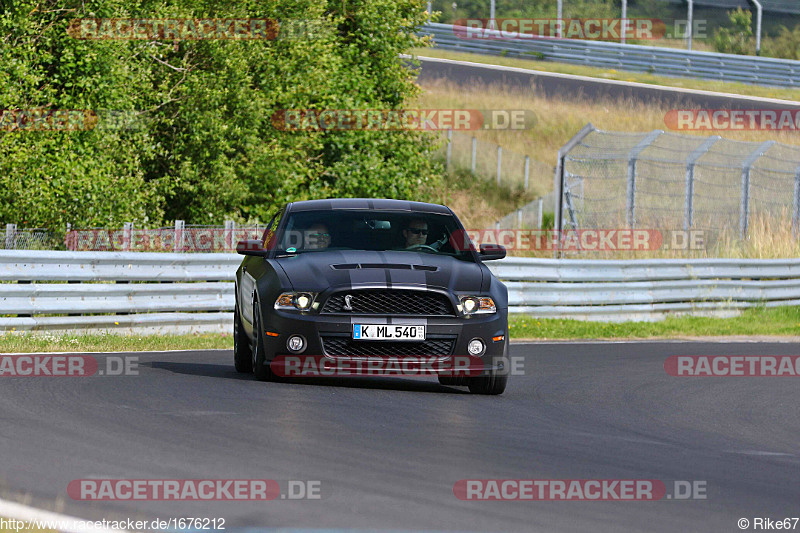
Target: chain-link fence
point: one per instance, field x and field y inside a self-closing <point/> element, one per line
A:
<point x="531" y="215"/>
<point x="492" y="161"/>
<point x="667" y="181"/>
<point x="29" y="239"/>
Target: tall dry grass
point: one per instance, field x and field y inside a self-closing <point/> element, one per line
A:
<point x="559" y="119"/>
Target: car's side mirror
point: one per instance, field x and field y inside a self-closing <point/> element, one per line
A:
<point x="492" y="251"/>
<point x="251" y="247"/>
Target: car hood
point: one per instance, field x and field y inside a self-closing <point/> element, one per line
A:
<point x="318" y="271"/>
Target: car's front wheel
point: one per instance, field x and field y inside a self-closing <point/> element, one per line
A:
<point x="495" y="382"/>
<point x="242" y="355"/>
<point x="453" y="381"/>
<point x="261" y="367"/>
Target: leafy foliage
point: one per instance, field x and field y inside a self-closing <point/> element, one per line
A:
<point x="201" y="145"/>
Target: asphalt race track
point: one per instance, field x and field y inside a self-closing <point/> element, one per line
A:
<point x="581" y="88"/>
<point x="388" y="451"/>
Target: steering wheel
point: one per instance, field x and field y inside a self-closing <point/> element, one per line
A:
<point x="423" y="247"/>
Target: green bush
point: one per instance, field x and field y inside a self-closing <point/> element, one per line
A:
<point x="739" y="38"/>
<point x="208" y="149"/>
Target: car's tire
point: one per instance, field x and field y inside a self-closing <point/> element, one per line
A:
<point x="492" y="384"/>
<point x="495" y="382"/>
<point x="453" y="381"/>
<point x="242" y="354"/>
<point x="261" y="367"/>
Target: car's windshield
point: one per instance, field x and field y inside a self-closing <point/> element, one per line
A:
<point x="314" y="231"/>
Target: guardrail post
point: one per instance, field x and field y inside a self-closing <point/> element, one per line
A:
<point x="474" y="153"/>
<point x="127" y="230"/>
<point x="11" y="231"/>
<point x="499" y="162"/>
<point x="177" y="245"/>
<point x="449" y="149"/>
<point x="527" y="170"/>
<point x="744" y="211"/>
<point x="688" y="213"/>
<point x="632" y="158"/>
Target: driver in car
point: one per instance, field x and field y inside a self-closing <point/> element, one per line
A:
<point x="317" y="237"/>
<point x="416" y="232"/>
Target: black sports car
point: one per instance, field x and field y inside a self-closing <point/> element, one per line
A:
<point x="371" y="281"/>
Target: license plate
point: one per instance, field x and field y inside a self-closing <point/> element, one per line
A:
<point x="387" y="332"/>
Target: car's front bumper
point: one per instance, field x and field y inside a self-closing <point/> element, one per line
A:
<point x="281" y="325"/>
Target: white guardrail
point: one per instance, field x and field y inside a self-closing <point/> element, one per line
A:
<point x="130" y="292"/>
<point x="636" y="58"/>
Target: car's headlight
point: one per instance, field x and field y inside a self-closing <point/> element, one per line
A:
<point x="477" y="305"/>
<point x="302" y="301"/>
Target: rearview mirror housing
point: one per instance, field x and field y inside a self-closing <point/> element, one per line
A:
<point x="251" y="247"/>
<point x="489" y="252"/>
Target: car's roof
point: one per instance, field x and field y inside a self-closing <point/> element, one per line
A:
<point x="370" y="204"/>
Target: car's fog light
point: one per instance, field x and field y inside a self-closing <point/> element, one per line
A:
<point x="296" y="343"/>
<point x="475" y="347"/>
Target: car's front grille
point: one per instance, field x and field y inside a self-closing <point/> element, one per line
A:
<point x="389" y="302"/>
<point x="344" y="346"/>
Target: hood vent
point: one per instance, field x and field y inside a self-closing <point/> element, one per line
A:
<point x="393" y="266"/>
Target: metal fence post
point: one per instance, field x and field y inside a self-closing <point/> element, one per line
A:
<point x="632" y="158"/>
<point x="449" y="148"/>
<point x="230" y="225"/>
<point x="744" y="210"/>
<point x="759" y="14"/>
<point x="541" y="214"/>
<point x="177" y="244"/>
<point x="127" y="230"/>
<point x="558" y="180"/>
<point x="688" y="213"/>
<point x="690" y="24"/>
<point x="499" y="162"/>
<point x="796" y="206"/>
<point x="559" y="25"/>
<point x="474" y="153"/>
<point x="11" y="231"/>
<point x="527" y="170"/>
<point x="519" y="218"/>
<point x="624" y="21"/>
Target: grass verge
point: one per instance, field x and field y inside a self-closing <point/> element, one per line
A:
<point x="776" y="321"/>
<point x="611" y="74"/>
<point x="48" y="342"/>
